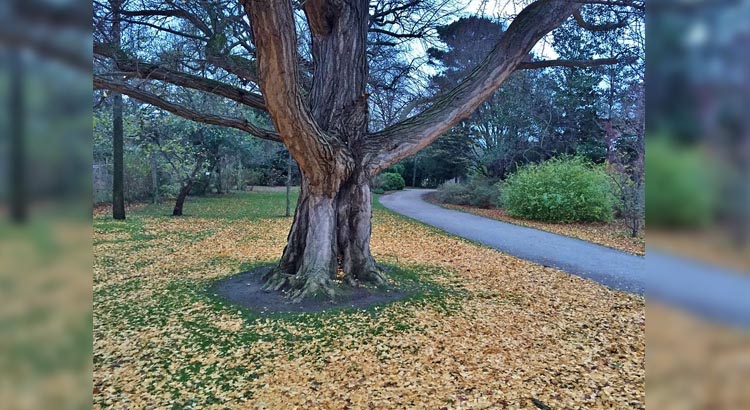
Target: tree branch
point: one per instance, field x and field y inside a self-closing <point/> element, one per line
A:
<point x="637" y="5"/>
<point x="155" y="72"/>
<point x="380" y="14"/>
<point x="407" y="137"/>
<point x="532" y="65"/>
<point x="396" y="35"/>
<point x="164" y="29"/>
<point x="176" y="12"/>
<point x="318" y="154"/>
<point x="101" y="82"/>
<point x="239" y="66"/>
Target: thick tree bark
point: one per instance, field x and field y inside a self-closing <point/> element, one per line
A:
<point x="330" y="236"/>
<point x="329" y="243"/>
<point x="327" y="134"/>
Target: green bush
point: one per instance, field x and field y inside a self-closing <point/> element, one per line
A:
<point x="378" y="191"/>
<point x="390" y="181"/>
<point x="560" y="190"/>
<point x="477" y="192"/>
<point x="681" y="186"/>
<point x="396" y="168"/>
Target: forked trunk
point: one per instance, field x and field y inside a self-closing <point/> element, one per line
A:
<point x="328" y="244"/>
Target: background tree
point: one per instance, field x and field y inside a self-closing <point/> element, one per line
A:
<point x="118" y="165"/>
<point x="319" y="107"/>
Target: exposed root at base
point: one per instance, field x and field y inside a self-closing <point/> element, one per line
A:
<point x="317" y="284"/>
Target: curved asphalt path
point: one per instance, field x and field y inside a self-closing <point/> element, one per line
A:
<point x="708" y="291"/>
<point x="618" y="270"/>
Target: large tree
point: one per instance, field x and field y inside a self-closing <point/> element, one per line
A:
<point x="307" y="65"/>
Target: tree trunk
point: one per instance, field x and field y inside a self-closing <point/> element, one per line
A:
<point x="329" y="243"/>
<point x="184" y="191"/>
<point x="154" y="178"/>
<point x="118" y="168"/>
<point x="414" y="173"/>
<point x="240" y="178"/>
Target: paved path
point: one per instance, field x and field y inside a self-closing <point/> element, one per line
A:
<point x="618" y="270"/>
<point x="708" y="291"/>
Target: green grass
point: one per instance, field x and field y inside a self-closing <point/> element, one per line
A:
<point x="240" y="205"/>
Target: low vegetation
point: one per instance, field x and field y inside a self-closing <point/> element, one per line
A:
<point x="560" y="190"/>
<point x="389" y="181"/>
<point x="478" y="192"/>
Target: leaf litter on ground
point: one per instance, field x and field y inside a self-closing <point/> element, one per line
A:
<point x="496" y="332"/>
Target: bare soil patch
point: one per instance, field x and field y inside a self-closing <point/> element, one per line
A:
<point x="246" y="289"/>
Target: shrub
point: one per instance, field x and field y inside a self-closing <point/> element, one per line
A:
<point x="378" y="191"/>
<point x="396" y="168"/>
<point x="477" y="192"/>
<point x="453" y="193"/>
<point x="390" y="181"/>
<point x="560" y="190"/>
<point x="682" y="186"/>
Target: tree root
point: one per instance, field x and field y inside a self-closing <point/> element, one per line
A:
<point x="317" y="284"/>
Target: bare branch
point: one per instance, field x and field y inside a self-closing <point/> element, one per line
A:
<point x="380" y="14"/>
<point x="164" y="29"/>
<point x="532" y="65"/>
<point x="155" y="72"/>
<point x="176" y="12"/>
<point x="396" y="35"/>
<point x="101" y="82"/>
<point x="637" y="5"/>
<point x="239" y="66"/>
